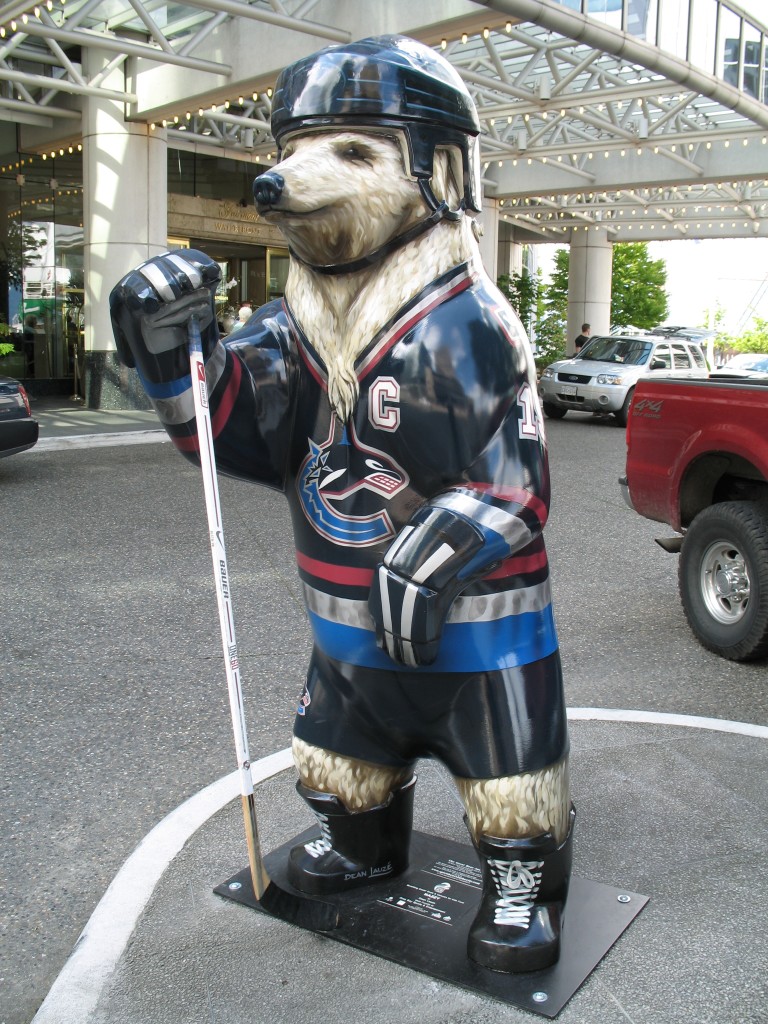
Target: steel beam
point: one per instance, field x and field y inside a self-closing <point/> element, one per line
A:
<point x="583" y="29"/>
<point x="88" y="38"/>
<point x="237" y="9"/>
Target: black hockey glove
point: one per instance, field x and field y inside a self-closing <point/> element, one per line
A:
<point x="151" y="308"/>
<point x="418" y="581"/>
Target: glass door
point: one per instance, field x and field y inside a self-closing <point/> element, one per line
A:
<point x="277" y="273"/>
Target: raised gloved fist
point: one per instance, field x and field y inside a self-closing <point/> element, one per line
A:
<point x="151" y="308"/>
<point x="418" y="581"/>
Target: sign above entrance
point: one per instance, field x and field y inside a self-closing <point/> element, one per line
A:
<point x="223" y="220"/>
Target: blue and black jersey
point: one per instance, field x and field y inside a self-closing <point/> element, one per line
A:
<point x="447" y="417"/>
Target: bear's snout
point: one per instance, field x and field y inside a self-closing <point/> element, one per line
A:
<point x="268" y="188"/>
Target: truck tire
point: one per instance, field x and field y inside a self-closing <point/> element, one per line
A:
<point x="723" y="577"/>
<point x="623" y="414"/>
<point x="554" y="412"/>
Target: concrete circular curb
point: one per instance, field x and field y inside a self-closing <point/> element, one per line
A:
<point x="75" y="994"/>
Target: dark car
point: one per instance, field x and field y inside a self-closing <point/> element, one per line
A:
<point x="18" y="430"/>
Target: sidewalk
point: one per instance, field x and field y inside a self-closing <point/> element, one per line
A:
<point x="60" y="416"/>
<point x="162" y="948"/>
<point x="669" y="807"/>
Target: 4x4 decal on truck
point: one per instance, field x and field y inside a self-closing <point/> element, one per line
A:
<point x="650" y="410"/>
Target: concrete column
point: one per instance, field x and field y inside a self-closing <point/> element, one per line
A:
<point x="125" y="210"/>
<point x="589" y="283"/>
<point x="510" y="251"/>
<point x="489" y="240"/>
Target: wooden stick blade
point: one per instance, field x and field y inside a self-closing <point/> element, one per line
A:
<point x="304" y="911"/>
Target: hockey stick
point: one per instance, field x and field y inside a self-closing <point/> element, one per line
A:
<point x="302" y="910"/>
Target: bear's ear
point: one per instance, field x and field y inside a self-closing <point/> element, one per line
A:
<point x="447" y="176"/>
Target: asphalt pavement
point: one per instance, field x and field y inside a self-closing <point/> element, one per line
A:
<point x="120" y="809"/>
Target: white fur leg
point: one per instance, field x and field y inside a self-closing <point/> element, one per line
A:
<point x="359" y="785"/>
<point x="519" y="806"/>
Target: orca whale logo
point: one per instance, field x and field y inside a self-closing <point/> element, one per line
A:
<point x="343" y="486"/>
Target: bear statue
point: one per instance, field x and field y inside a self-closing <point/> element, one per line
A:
<point x="391" y="395"/>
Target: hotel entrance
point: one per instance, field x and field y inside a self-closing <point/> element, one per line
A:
<point x="252" y="255"/>
<point x="250" y="275"/>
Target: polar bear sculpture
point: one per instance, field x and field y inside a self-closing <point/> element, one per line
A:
<point x="392" y="397"/>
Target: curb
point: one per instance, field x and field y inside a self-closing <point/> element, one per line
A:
<point x="76" y="992"/>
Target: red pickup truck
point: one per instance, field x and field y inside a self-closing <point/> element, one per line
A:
<point x="697" y="459"/>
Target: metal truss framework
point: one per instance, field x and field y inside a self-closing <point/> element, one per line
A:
<point x="648" y="121"/>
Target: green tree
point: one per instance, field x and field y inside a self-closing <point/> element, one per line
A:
<point x="754" y="339"/>
<point x="6" y="347"/>
<point x="723" y="343"/>
<point x="521" y="290"/>
<point x="552" y="313"/>
<point x="637" y="287"/>
<point x="637" y="291"/>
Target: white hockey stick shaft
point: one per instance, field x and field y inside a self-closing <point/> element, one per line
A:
<point x="224" y="600"/>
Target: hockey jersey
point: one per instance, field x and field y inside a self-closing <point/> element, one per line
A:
<point x="447" y="415"/>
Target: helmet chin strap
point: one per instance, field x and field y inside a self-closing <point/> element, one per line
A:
<point x="440" y="211"/>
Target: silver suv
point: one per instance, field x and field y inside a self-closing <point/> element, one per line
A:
<point x="602" y="377"/>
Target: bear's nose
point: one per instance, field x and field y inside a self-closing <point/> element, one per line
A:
<point x="268" y="188"/>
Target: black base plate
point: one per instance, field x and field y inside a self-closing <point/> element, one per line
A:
<point x="421" y="918"/>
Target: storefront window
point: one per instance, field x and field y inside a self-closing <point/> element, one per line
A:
<point x="41" y="268"/>
<point x="211" y="177"/>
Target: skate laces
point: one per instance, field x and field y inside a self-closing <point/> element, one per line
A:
<point x="322" y="845"/>
<point x="517" y="883"/>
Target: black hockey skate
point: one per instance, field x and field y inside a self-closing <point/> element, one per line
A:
<point x="352" y="848"/>
<point x="525" y="885"/>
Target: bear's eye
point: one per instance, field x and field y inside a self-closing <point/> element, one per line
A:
<point x="356" y="153"/>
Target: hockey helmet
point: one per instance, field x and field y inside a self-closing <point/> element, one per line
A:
<point x="384" y="82"/>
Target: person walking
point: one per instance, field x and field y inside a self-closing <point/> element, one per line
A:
<point x="583" y="338"/>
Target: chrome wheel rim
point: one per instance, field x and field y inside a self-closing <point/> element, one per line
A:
<point x="725" y="583"/>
